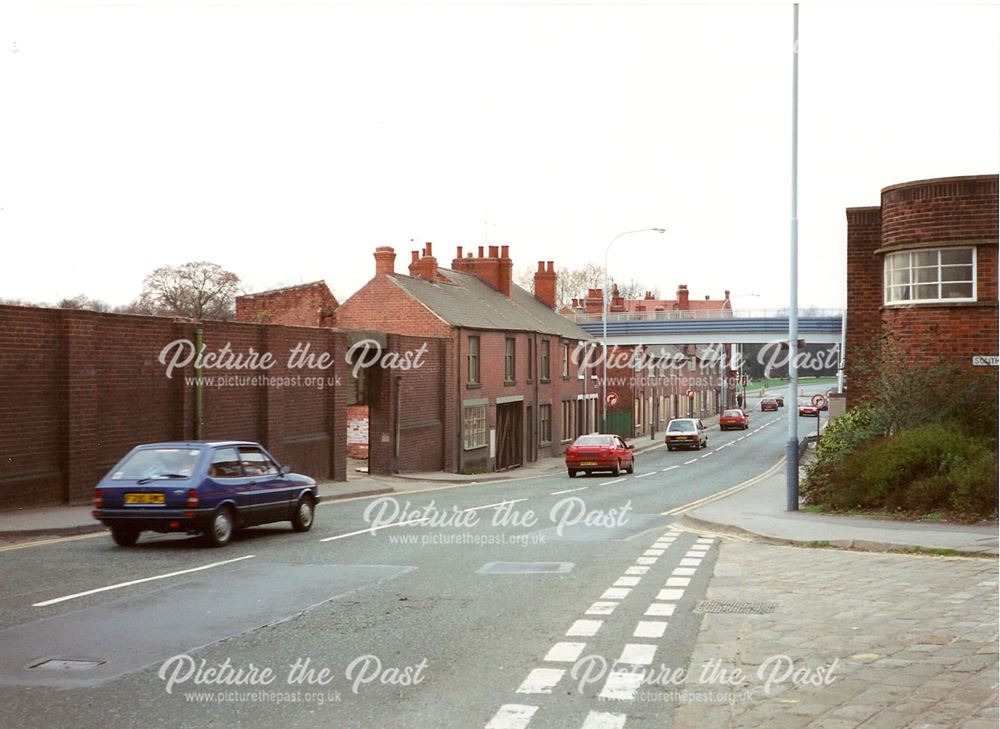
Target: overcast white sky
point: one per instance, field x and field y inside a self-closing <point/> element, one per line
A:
<point x="286" y="141"/>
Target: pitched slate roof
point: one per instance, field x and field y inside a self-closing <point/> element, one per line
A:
<point x="465" y="301"/>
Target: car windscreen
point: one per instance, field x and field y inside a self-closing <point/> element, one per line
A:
<point x="732" y="414"/>
<point x="158" y="463"/>
<point x="681" y="426"/>
<point x="593" y="440"/>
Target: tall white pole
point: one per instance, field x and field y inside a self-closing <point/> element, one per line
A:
<point x="792" y="447"/>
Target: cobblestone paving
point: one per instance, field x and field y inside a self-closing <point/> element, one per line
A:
<point x="914" y="640"/>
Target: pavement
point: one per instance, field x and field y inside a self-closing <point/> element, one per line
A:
<point x="74" y="520"/>
<point x="758" y="510"/>
<point x="843" y="640"/>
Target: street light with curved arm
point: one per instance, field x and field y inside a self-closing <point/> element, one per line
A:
<point x="604" y="323"/>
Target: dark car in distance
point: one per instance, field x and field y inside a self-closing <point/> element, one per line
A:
<point x="201" y="487"/>
<point x="769" y="403"/>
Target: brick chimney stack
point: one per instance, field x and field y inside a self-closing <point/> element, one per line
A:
<point x="545" y="284"/>
<point x="682" y="298"/>
<point x="496" y="269"/>
<point x="424" y="266"/>
<point x="385" y="261"/>
<point x="505" y="272"/>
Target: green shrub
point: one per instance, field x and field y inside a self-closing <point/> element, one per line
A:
<point x="921" y="469"/>
<point x="857" y="427"/>
<point x="976" y="484"/>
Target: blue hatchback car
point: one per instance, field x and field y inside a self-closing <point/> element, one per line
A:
<point x="200" y="487"/>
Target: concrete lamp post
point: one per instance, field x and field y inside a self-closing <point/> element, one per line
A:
<point x="604" y="324"/>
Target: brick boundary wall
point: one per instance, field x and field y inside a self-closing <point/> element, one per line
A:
<point x="79" y="389"/>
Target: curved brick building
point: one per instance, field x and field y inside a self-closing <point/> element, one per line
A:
<point x="923" y="267"/>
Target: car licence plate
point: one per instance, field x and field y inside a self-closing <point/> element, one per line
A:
<point x="156" y="499"/>
<point x="588" y="463"/>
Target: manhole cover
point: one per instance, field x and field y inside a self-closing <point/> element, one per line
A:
<point x="730" y="606"/>
<point x="525" y="568"/>
<point x="67" y="664"/>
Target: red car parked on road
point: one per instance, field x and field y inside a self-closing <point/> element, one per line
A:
<point x="769" y="404"/>
<point x="599" y="452"/>
<point x="735" y="419"/>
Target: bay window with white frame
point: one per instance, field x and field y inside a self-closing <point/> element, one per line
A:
<point x="930" y="275"/>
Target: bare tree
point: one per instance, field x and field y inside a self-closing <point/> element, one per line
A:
<point x="199" y="289"/>
<point x="82" y="301"/>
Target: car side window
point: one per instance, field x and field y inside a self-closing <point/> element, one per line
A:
<point x="225" y="464"/>
<point x="256" y="463"/>
<point x="619" y="443"/>
<point x="701" y="425"/>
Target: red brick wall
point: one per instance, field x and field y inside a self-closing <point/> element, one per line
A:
<point x="308" y="305"/>
<point x="912" y="215"/>
<point x="941" y="210"/>
<point x="424" y="419"/>
<point x="381" y="305"/>
<point x="535" y="393"/>
<point x="79" y="389"/>
<point x="864" y="291"/>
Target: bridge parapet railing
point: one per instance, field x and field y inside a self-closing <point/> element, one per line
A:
<point x="677" y="315"/>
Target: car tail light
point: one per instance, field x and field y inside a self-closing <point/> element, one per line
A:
<point x="98" y="498"/>
<point x="192" y="501"/>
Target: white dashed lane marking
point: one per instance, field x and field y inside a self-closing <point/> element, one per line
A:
<point x="568" y="491"/>
<point x="690" y="562"/>
<point x="684" y="571"/>
<point x="669" y="595"/>
<point x="633" y="570"/>
<point x="565" y="652"/>
<point x="622" y="685"/>
<point x="608" y="483"/>
<point x="688" y="463"/>
<point x="707" y="454"/>
<point x="660" y="609"/>
<point x="584" y="628"/>
<point x="643" y="475"/>
<point x="669" y="468"/>
<point x="604" y="720"/>
<point x="646" y="560"/>
<point x="637" y="654"/>
<point x="678" y="581"/>
<point x="540" y="681"/>
<point x="512" y="716"/>
<point x="628" y="581"/>
<point x="491" y="506"/>
<point x="650" y="629"/>
<point x="616" y="593"/>
<point x="601" y="608"/>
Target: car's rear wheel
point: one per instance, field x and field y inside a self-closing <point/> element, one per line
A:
<point x="305" y="511"/>
<point x="220" y="531"/>
<point x="670" y="447"/>
<point x="631" y="466"/>
<point x="616" y="469"/>
<point x="571" y="472"/>
<point x="125" y="536"/>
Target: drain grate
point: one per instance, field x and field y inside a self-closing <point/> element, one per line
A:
<point x="67" y="664"/>
<point x="737" y="607"/>
<point x="525" y="568"/>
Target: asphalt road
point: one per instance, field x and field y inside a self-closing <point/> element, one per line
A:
<point x="534" y="602"/>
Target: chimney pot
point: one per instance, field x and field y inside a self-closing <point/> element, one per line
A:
<point x="550" y="267"/>
<point x="505" y="251"/>
<point x="385" y="261"/>
<point x="480" y="251"/>
<point x="427" y="249"/>
<point x="541" y="266"/>
<point x="458" y="253"/>
<point x="414" y="256"/>
<point x="494" y="251"/>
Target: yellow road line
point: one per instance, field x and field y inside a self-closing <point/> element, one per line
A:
<point x="732" y="490"/>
